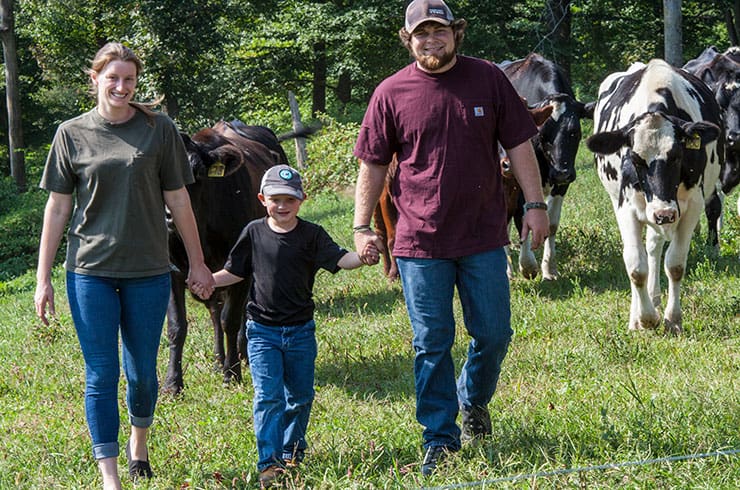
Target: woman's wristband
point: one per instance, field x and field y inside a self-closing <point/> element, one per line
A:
<point x="360" y="228"/>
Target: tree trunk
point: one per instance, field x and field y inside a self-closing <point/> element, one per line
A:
<point x="15" y="130"/>
<point x="731" y="18"/>
<point x="318" y="103"/>
<point x="672" y="32"/>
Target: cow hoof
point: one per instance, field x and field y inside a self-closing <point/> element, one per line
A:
<point x="172" y="387"/>
<point x="550" y="276"/>
<point x="672" y="328"/>
<point x="528" y="273"/>
<point x="233" y="375"/>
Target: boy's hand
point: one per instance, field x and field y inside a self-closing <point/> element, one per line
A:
<point x="370" y="254"/>
<point x="368" y="246"/>
<point x="200" y="290"/>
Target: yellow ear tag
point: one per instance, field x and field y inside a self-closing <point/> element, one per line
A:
<point x="694" y="143"/>
<point x="218" y="169"/>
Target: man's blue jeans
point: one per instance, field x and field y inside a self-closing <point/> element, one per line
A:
<point x="282" y="363"/>
<point x="100" y="307"/>
<point x="483" y="287"/>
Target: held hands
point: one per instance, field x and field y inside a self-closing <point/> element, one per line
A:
<point x="369" y="246"/>
<point x="370" y="254"/>
<point x="200" y="281"/>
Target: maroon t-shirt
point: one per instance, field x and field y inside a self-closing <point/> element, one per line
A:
<point x="444" y="128"/>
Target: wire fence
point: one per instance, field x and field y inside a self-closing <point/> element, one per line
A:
<point x="608" y="466"/>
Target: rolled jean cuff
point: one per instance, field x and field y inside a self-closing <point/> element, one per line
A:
<point x="141" y="422"/>
<point x="105" y="450"/>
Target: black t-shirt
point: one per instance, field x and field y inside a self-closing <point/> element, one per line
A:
<point x="282" y="267"/>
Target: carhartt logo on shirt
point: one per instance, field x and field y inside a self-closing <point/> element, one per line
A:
<point x="478" y="111"/>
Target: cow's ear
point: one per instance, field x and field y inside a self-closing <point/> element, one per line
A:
<point x="540" y="114"/>
<point x="588" y="110"/>
<point x="699" y="134"/>
<point x="607" y="142"/>
<point x="227" y="159"/>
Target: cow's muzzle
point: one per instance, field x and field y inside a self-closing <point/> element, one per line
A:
<point x="665" y="216"/>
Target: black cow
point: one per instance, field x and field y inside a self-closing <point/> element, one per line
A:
<point x="721" y="72"/>
<point x="658" y="148"/>
<point x="228" y="161"/>
<point x="542" y="82"/>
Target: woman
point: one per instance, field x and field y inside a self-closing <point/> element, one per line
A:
<point x="116" y="167"/>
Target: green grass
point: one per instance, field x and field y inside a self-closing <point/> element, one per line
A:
<point x="577" y="389"/>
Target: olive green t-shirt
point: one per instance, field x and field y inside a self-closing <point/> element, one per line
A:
<point x="117" y="173"/>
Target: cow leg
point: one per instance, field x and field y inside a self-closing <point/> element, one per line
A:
<point x="215" y="306"/>
<point x="549" y="262"/>
<point x="643" y="314"/>
<point x="655" y="244"/>
<point x="713" y="211"/>
<point x="232" y="318"/>
<point x="177" y="330"/>
<point x="675" y="265"/>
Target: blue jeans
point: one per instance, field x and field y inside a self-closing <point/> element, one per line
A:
<point x="101" y="306"/>
<point x="483" y="287"/>
<point x="282" y="362"/>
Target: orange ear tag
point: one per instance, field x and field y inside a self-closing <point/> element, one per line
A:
<point x="218" y="169"/>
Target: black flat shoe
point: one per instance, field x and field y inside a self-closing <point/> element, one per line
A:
<point x="136" y="468"/>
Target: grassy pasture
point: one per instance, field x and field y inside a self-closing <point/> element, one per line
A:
<point x="577" y="389"/>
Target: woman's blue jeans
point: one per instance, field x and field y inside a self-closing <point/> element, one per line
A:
<point x="101" y="307"/>
<point x="282" y="363"/>
<point x="483" y="287"/>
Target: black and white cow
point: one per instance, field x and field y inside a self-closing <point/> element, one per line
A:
<point x="721" y="72"/>
<point x="542" y="82"/>
<point x="657" y="139"/>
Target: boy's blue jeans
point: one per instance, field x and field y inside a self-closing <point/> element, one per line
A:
<point x="282" y="363"/>
<point x="428" y="287"/>
<point x="101" y="307"/>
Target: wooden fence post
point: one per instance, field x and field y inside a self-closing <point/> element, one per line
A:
<point x="300" y="143"/>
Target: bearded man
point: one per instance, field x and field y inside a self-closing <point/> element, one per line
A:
<point x="442" y="117"/>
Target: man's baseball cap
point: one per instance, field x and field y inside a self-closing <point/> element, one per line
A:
<point x="420" y="11"/>
<point x="282" y="179"/>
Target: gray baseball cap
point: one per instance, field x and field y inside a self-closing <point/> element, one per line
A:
<point x="282" y="179"/>
<point x="420" y="11"/>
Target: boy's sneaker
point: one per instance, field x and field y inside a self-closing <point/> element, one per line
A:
<point x="432" y="458"/>
<point x="269" y="475"/>
<point x="476" y="423"/>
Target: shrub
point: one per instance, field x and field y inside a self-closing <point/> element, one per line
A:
<point x="331" y="166"/>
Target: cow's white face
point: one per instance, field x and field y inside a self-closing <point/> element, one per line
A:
<point x="558" y="109"/>
<point x="653" y="138"/>
<point x="656" y="157"/>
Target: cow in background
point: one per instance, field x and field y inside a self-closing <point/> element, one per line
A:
<point x="721" y="72"/>
<point x="542" y="82"/>
<point x="658" y="147"/>
<point x="385" y="215"/>
<point x="228" y="162"/>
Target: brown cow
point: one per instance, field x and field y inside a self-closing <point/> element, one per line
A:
<point x="386" y="214"/>
<point x="228" y="161"/>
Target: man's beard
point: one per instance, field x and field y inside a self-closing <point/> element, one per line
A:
<point x="433" y="63"/>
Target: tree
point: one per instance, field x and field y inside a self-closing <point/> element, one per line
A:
<point x="672" y="32"/>
<point x="15" y="130"/>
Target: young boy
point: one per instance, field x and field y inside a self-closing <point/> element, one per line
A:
<point x="281" y="254"/>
